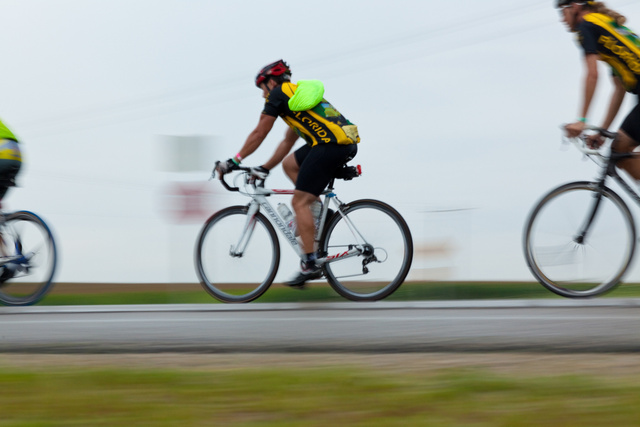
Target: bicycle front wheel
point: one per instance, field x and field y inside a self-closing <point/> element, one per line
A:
<point x="383" y="250"/>
<point x="237" y="256"/>
<point x="28" y="259"/>
<point x="575" y="248"/>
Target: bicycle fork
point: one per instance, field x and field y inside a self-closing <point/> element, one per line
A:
<point x="581" y="237"/>
<point x="238" y="250"/>
<point x="599" y="187"/>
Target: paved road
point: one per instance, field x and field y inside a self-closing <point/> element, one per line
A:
<point x="604" y="325"/>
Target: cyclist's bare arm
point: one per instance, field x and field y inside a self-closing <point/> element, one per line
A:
<point x="596" y="140"/>
<point x="590" y="83"/>
<point x="258" y="135"/>
<point x="290" y="137"/>
<point x="617" y="97"/>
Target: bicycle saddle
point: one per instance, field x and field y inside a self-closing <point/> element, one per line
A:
<point x="348" y="172"/>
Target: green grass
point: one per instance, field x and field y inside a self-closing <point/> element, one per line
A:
<point x="323" y="293"/>
<point x="299" y="396"/>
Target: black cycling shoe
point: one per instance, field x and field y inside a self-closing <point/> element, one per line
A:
<point x="7" y="273"/>
<point x="307" y="273"/>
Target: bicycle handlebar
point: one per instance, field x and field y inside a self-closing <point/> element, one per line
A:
<point x="581" y="141"/>
<point x="224" y="183"/>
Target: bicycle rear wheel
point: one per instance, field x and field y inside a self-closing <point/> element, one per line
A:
<point x="28" y="257"/>
<point x="229" y="273"/>
<point x="564" y="262"/>
<point x="385" y="248"/>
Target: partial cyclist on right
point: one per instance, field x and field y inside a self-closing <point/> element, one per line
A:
<point x="603" y="37"/>
<point x="580" y="238"/>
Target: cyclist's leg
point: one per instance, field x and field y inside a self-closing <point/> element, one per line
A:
<point x="291" y="166"/>
<point x="316" y="171"/>
<point x="313" y="176"/>
<point x="305" y="223"/>
<point x="291" y="163"/>
<point x="301" y="204"/>
<point x="628" y="139"/>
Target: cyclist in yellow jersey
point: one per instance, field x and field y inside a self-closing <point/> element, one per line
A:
<point x="10" y="159"/>
<point x="330" y="142"/>
<point x="603" y="36"/>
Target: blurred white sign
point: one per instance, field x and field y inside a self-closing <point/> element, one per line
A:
<point x="186" y="153"/>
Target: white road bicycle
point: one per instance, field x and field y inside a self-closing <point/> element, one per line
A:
<point x="579" y="240"/>
<point x="365" y="247"/>
<point x="28" y="258"/>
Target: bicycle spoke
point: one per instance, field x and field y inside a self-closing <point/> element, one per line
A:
<point x="566" y="264"/>
<point x="231" y="276"/>
<point x="384" y="251"/>
<point x="29" y="246"/>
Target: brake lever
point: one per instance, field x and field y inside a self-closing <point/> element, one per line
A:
<point x="213" y="172"/>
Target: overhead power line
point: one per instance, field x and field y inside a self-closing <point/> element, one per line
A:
<point x="203" y="93"/>
<point x="207" y="93"/>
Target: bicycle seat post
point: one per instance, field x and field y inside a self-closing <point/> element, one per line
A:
<point x="331" y="184"/>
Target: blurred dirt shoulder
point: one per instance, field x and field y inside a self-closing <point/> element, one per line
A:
<point x="104" y="288"/>
<point x="528" y="364"/>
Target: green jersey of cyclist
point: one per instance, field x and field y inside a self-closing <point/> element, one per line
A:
<point x="10" y="159"/>
<point x="603" y="37"/>
<point x="330" y="142"/>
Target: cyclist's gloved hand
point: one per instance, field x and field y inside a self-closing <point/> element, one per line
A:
<point x="226" y="167"/>
<point x="260" y="172"/>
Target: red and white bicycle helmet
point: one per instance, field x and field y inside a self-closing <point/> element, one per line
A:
<point x="278" y="68"/>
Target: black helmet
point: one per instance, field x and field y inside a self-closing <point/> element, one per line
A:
<point x="274" y="69"/>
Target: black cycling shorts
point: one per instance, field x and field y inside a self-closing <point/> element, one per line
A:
<point x="319" y="164"/>
<point x="10" y="162"/>
<point x="631" y="125"/>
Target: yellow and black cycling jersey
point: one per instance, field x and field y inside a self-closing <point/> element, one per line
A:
<point x="320" y="124"/>
<point x="614" y="44"/>
<point x="5" y="133"/>
<point x="10" y="156"/>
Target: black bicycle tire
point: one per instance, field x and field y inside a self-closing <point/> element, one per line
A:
<point x="47" y="284"/>
<point x="530" y="259"/>
<point x="262" y="287"/>
<point x="406" y="265"/>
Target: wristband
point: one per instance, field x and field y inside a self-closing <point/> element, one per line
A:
<point x="582" y="119"/>
<point x="237" y="163"/>
<point x="238" y="158"/>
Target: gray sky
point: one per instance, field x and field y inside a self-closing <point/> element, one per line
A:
<point x="458" y="105"/>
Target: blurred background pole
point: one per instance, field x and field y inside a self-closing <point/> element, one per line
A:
<point x="187" y="198"/>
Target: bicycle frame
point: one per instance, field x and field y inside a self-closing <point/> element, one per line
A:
<point x="608" y="164"/>
<point x="18" y="257"/>
<point x="258" y="193"/>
